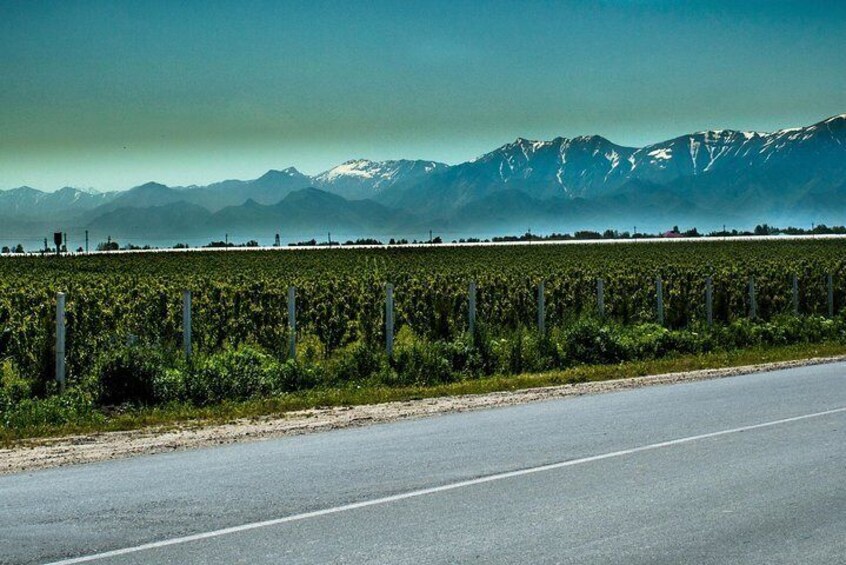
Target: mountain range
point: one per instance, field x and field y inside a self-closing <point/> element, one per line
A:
<point x="707" y="179"/>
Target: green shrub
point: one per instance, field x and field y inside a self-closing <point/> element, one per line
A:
<point x="310" y="349"/>
<point x="170" y="385"/>
<point x="591" y="343"/>
<point x="74" y="406"/>
<point x="292" y="376"/>
<point x="468" y="357"/>
<point x="128" y="374"/>
<point x="12" y="385"/>
<point x="423" y="363"/>
<point x="810" y="329"/>
<point x="540" y="353"/>
<point x="232" y="374"/>
<point x="484" y="359"/>
<point x="354" y="363"/>
<point x="651" y="341"/>
<point x="513" y="353"/>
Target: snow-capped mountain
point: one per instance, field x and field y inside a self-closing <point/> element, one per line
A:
<point x="561" y="167"/>
<point x="26" y="202"/>
<point x="711" y="165"/>
<point x="362" y="178"/>
<point x="734" y="152"/>
<point x="564" y="166"/>
<point x="795" y="175"/>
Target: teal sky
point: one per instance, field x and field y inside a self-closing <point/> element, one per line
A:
<point x="113" y="94"/>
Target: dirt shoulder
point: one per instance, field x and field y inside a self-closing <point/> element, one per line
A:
<point x="55" y="452"/>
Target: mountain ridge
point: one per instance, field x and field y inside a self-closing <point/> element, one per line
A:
<point x="789" y="175"/>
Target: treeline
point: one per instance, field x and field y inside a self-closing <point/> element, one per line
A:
<point x="675" y="232"/>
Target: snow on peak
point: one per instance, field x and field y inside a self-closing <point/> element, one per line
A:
<point x="661" y="153"/>
<point x="723" y="135"/>
<point x="529" y="144"/>
<point x="538" y="144"/>
<point x="275" y="173"/>
<point x="586" y="139"/>
<point x="360" y="168"/>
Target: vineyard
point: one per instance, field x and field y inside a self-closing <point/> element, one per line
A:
<point x="120" y="302"/>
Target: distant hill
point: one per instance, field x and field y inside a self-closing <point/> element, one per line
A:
<point x="739" y="178"/>
<point x="311" y="212"/>
<point x="26" y="203"/>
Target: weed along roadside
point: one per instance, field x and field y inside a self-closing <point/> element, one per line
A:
<point x="174" y="428"/>
<point x="153" y="390"/>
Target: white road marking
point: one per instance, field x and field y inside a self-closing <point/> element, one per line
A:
<point x="434" y="490"/>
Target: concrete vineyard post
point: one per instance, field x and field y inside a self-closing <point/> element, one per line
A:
<point x="471" y="308"/>
<point x="186" y="323"/>
<point x="659" y="297"/>
<point x="709" y="301"/>
<point x="795" y="295"/>
<point x="753" y="304"/>
<point x="541" y="309"/>
<point x="829" y="285"/>
<point x="600" y="298"/>
<point x="60" y="339"/>
<point x="389" y="319"/>
<point x="292" y="322"/>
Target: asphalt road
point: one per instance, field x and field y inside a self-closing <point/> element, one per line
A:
<point x="749" y="469"/>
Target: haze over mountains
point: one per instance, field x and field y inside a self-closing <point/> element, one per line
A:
<point x="705" y="179"/>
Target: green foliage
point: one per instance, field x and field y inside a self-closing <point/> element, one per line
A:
<point x="781" y="331"/>
<point x="241" y="297"/>
<point x="240" y="326"/>
<point x="232" y="374"/>
<point x="356" y="362"/>
<point x="13" y="386"/>
<point x="590" y="342"/>
<point x="292" y="376"/>
<point x="130" y="374"/>
<point x="423" y="363"/>
<point x="74" y="406"/>
<point x="651" y="341"/>
<point x="170" y="385"/>
<point x="310" y="349"/>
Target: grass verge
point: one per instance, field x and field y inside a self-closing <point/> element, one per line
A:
<point x="187" y="415"/>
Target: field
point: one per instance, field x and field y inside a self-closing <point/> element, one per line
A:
<point x="124" y="314"/>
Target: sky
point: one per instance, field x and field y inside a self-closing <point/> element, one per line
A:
<point x="112" y="94"/>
